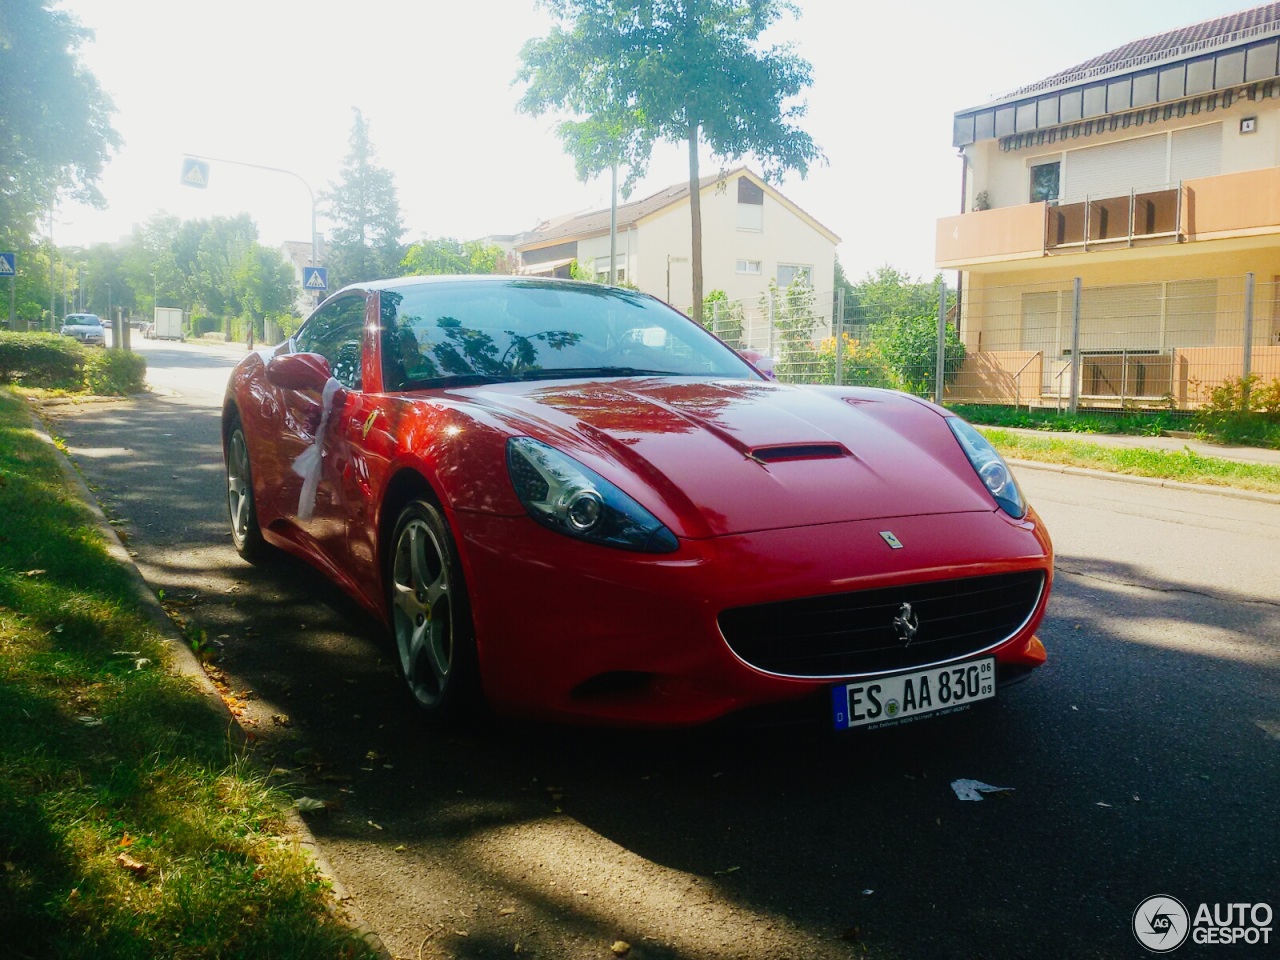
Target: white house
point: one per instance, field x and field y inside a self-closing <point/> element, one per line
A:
<point x="751" y="234"/>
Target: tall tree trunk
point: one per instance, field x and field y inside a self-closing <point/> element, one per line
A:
<point x="695" y="219"/>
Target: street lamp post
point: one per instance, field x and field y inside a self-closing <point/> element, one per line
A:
<point x="296" y="176"/>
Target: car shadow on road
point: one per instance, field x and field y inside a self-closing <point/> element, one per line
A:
<point x="784" y="840"/>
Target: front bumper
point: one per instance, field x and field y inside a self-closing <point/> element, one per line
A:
<point x="575" y="631"/>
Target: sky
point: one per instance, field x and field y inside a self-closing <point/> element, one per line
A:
<point x="273" y="83"/>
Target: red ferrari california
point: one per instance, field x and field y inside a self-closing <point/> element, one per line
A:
<point x="571" y="501"/>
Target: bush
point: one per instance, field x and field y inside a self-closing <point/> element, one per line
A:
<point x="41" y="360"/>
<point x="908" y="346"/>
<point x="1243" y="410"/>
<point x="723" y="317"/>
<point x="202" y="325"/>
<point x="115" y="373"/>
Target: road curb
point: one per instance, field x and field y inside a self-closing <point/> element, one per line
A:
<point x="1145" y="481"/>
<point x="182" y="662"/>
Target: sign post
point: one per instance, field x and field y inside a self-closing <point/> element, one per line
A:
<point x="9" y="268"/>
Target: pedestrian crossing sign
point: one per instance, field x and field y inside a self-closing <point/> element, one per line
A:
<point x="195" y="173"/>
<point x="315" y="278"/>
<point x="8" y="263"/>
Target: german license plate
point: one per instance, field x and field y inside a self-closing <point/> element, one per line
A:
<point x="902" y="697"/>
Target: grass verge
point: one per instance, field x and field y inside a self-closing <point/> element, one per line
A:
<point x="130" y="826"/>
<point x="1181" y="465"/>
<point x="1236" y="428"/>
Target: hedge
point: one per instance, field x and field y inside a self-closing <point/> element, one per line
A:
<point x="41" y="360"/>
<point x="115" y="373"/>
<point x="54" y="362"/>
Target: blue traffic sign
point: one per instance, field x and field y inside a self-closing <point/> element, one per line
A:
<point x="315" y="278"/>
<point x="8" y="264"/>
<point x="195" y="173"/>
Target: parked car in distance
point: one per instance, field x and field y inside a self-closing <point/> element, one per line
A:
<point x="571" y="501"/>
<point x="85" y="327"/>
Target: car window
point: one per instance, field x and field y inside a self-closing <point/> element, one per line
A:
<point x="336" y="332"/>
<point x="449" y="331"/>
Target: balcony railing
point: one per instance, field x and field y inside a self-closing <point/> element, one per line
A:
<point x="1096" y="221"/>
<point x="1226" y="206"/>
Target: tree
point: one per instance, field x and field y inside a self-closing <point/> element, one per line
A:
<point x="447" y="255"/>
<point x="902" y="318"/>
<point x="55" y="124"/>
<point x="683" y="71"/>
<point x="887" y="293"/>
<point x="365" y="211"/>
<point x="794" y="317"/>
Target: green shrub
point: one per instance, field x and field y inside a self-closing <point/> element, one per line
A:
<point x="115" y="373"/>
<point x="41" y="360"/>
<point x="1243" y="410"/>
<point x="202" y="325"/>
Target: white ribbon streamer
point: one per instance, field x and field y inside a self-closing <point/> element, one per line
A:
<point x="307" y="464"/>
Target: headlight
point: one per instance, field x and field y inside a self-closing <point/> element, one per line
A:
<point x="570" y="498"/>
<point x="991" y="468"/>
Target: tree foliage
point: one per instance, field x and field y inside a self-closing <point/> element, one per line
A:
<point x="445" y="255"/>
<point x="55" y="122"/>
<point x="682" y="71"/>
<point x="900" y="317"/>
<point x="365" y="211"/>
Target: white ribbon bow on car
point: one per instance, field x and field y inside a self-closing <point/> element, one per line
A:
<point x="307" y="464"/>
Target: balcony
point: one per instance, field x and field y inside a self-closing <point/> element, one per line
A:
<point x="1208" y="208"/>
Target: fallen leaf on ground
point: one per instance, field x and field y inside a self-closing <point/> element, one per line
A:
<point x="138" y="869"/>
<point x="621" y="948"/>
<point x="974" y="789"/>
<point x="309" y="804"/>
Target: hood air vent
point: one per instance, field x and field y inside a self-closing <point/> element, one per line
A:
<point x="798" y="451"/>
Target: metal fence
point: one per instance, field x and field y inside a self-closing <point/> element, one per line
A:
<point x="1165" y="345"/>
<point x="1162" y="345"/>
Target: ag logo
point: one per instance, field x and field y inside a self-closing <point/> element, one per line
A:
<point x="1161" y="924"/>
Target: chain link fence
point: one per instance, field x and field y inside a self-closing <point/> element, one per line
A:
<point x="1164" y="345"/>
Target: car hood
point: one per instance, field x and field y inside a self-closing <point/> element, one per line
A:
<point x="730" y="456"/>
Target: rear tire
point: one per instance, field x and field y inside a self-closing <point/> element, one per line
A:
<point x="242" y="508"/>
<point x="430" y="614"/>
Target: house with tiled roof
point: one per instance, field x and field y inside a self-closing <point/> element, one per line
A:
<point x="751" y="234"/>
<point x="1119" y="241"/>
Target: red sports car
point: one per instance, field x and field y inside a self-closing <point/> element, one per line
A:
<point x="572" y="501"/>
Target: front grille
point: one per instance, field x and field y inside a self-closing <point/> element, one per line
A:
<point x="854" y="633"/>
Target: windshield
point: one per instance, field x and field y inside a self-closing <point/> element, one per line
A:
<point x="82" y="320"/>
<point x="466" y="332"/>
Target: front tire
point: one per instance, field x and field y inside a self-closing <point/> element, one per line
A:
<point x="430" y="614"/>
<point x="246" y="535"/>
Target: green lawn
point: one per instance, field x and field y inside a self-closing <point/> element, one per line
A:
<point x="1182" y="465"/>
<point x="130" y="824"/>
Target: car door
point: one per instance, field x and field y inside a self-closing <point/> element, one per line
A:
<point x="335" y="332"/>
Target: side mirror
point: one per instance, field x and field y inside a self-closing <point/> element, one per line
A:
<point x="298" y="371"/>
<point x="762" y="363"/>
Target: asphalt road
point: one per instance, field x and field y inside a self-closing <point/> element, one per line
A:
<point x="1144" y="759"/>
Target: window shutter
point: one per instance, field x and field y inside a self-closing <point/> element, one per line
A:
<point x="1113" y="169"/>
<point x="1197" y="152"/>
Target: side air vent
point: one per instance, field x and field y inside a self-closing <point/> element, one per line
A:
<point x="798" y="451"/>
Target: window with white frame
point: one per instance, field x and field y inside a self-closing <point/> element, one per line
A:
<point x="789" y="273"/>
<point x="750" y="267"/>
